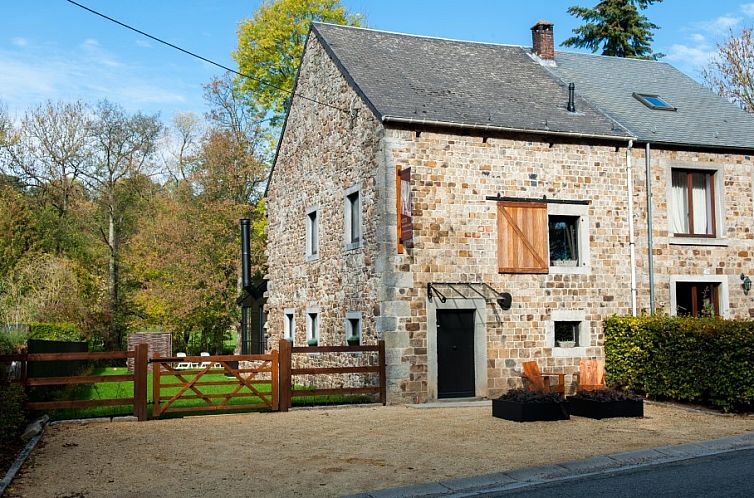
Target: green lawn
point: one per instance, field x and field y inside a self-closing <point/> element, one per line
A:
<point x="108" y="390"/>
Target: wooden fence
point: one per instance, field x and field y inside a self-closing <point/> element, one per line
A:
<point x="139" y="378"/>
<point x="190" y="385"/>
<point x="288" y="389"/>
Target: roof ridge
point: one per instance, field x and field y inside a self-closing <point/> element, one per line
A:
<point x="426" y="37"/>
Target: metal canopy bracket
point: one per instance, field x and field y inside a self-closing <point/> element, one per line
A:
<point x="469" y="290"/>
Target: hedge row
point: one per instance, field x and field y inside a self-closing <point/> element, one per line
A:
<point x="703" y="360"/>
<point x="54" y="332"/>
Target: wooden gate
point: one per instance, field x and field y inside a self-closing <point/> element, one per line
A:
<point x="259" y="381"/>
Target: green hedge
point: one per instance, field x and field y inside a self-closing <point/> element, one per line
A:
<point x="687" y="359"/>
<point x="54" y="332"/>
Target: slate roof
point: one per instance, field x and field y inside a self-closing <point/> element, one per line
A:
<point x="473" y="84"/>
<point x="501" y="86"/>
<point x="701" y="118"/>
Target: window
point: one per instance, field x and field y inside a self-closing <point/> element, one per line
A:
<point x="289" y="326"/>
<point x="312" y="326"/>
<point x="564" y="240"/>
<point x="697" y="299"/>
<point x="692" y="204"/>
<point x="522" y="237"/>
<point x="353" y="219"/>
<point x="353" y="326"/>
<point x="312" y="234"/>
<point x="567" y="333"/>
<point x="654" y="101"/>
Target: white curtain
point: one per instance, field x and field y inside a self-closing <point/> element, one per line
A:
<point x="701" y="203"/>
<point x="679" y="207"/>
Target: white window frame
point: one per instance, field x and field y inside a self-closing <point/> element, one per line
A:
<point x="723" y="295"/>
<point x="719" y="181"/>
<point x="348" y="218"/>
<point x="582" y="212"/>
<point x="585" y="333"/>
<point x="310" y="253"/>
<point x="313" y="326"/>
<point x="289" y="324"/>
<point x="354" y="315"/>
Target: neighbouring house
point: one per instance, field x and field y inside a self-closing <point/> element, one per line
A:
<point x="432" y="176"/>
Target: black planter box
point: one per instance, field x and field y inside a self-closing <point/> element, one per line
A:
<point x="606" y="409"/>
<point x="529" y="412"/>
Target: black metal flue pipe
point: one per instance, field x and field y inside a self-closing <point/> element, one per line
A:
<point x="571" y="97"/>
<point x="245" y="253"/>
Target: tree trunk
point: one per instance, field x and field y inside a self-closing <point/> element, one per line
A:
<point x="112" y="241"/>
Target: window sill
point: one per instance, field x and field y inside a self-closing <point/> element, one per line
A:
<point x="352" y="246"/>
<point x="575" y="352"/>
<point x="570" y="270"/>
<point x="698" y="241"/>
<point x="311" y="257"/>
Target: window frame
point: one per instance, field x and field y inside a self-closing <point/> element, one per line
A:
<point x="348" y="218"/>
<point x="723" y="299"/>
<point x="584" y="341"/>
<point x="644" y="99"/>
<point x="313" y="325"/>
<point x="690" y="203"/>
<point x="289" y="325"/>
<point x="580" y="211"/>
<point x="719" y="202"/>
<point x="354" y="315"/>
<point x="312" y="233"/>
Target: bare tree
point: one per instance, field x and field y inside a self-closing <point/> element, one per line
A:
<point x="48" y="151"/>
<point x="122" y="147"/>
<point x="731" y="73"/>
<point x="180" y="147"/>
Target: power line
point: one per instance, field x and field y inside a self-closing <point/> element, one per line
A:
<point x="209" y="61"/>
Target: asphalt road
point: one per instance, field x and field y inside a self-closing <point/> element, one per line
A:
<point x="725" y="474"/>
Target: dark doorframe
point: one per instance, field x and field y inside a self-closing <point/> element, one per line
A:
<point x="455" y="353"/>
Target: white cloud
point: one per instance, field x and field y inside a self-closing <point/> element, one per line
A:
<point x="691" y="56"/>
<point x="19" y="41"/>
<point x="719" y="25"/>
<point x="143" y="43"/>
<point x="748" y="9"/>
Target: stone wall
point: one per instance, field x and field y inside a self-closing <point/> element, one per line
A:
<point x="159" y="342"/>
<point x="327" y="151"/>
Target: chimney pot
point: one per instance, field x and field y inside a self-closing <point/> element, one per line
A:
<point x="542" y="40"/>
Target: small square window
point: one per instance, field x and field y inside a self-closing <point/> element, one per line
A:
<point x="654" y="101"/>
<point x="312" y="234"/>
<point x="564" y="240"/>
<point x="353" y="218"/>
<point x="567" y="333"/>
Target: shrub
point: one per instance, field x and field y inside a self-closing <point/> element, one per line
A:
<point x="11" y="342"/>
<point x="54" y="332"/>
<point x="526" y="396"/>
<point x="702" y="360"/>
<point x="12" y="417"/>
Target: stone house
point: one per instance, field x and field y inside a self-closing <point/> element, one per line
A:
<point x="418" y="180"/>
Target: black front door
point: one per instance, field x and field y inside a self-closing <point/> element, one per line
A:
<point x="455" y="353"/>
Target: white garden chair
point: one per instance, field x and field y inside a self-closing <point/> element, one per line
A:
<point x="206" y="363"/>
<point x="182" y="365"/>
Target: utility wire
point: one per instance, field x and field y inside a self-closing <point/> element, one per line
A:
<point x="209" y="61"/>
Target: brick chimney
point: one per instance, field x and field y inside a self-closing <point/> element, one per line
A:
<point x="542" y="41"/>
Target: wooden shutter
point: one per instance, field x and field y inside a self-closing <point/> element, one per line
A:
<point x="522" y="237"/>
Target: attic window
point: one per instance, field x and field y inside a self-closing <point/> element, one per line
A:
<point x="654" y="102"/>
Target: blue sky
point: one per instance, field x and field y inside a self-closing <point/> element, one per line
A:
<point x="52" y="49"/>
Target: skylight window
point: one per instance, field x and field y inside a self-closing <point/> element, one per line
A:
<point x="654" y="101"/>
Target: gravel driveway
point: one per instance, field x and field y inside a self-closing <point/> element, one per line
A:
<point x="330" y="452"/>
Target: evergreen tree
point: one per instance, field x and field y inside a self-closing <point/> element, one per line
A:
<point x="615" y="26"/>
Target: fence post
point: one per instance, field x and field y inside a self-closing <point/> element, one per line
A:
<point x="141" y="361"/>
<point x="383" y="380"/>
<point x="284" y="360"/>
<point x="275" y="381"/>
<point x="156" y="386"/>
